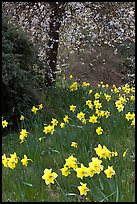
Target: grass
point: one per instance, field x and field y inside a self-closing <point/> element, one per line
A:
<point x="25" y="183"/>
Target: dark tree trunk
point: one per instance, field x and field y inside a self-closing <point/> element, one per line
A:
<point x="57" y="10"/>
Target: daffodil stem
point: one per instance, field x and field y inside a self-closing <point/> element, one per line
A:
<point x="61" y="190"/>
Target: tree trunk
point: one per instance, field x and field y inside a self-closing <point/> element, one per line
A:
<point x="57" y="10"/>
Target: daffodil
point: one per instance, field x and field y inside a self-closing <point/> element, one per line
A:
<point x="99" y="130"/>
<point x="132" y="98"/>
<point x="54" y="122"/>
<point x="49" y="129"/>
<point x="40" y="139"/>
<point x="40" y="106"/>
<point x="89" y="104"/>
<point x="22" y="117"/>
<point x="120" y="108"/>
<point x="85" y="84"/>
<point x="5" y="161"/>
<point x="90" y="91"/>
<point x="83" y="189"/>
<point x="107" y="114"/>
<point x="74" y="144"/>
<point x="128" y="116"/>
<point x="107" y="97"/>
<point x="4" y="123"/>
<point x="96" y="95"/>
<point x="49" y="176"/>
<point x="103" y="152"/>
<point x="82" y="171"/>
<point x="96" y="165"/>
<point x="109" y="171"/>
<point x="25" y="160"/>
<point x="62" y="125"/>
<point x="71" y="162"/>
<point x="12" y="161"/>
<point x="124" y="154"/>
<point x="93" y="119"/>
<point x="23" y="135"/>
<point x="74" y="86"/>
<point x="66" y="119"/>
<point x="34" y="109"/>
<point x="71" y="76"/>
<point x="65" y="171"/>
<point x="72" y="108"/>
<point x="81" y="115"/>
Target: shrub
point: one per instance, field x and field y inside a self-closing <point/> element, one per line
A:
<point x="20" y="81"/>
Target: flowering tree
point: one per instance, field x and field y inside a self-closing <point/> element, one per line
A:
<point x="58" y="28"/>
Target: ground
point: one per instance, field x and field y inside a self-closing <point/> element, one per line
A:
<point x="94" y="67"/>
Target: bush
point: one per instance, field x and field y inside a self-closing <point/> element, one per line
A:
<point x="19" y="80"/>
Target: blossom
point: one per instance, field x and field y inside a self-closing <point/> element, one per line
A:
<point x="4" y="123"/>
<point x="124" y="154"/>
<point x="96" y="165"/>
<point x="97" y="103"/>
<point x="66" y="119"/>
<point x="74" y="144"/>
<point x="72" y="108"/>
<point x="96" y="95"/>
<point x="122" y="99"/>
<point x="128" y="116"/>
<point x="99" y="130"/>
<point x="83" y="121"/>
<point x="22" y="117"/>
<point x="109" y="171"/>
<point x="54" y="122"/>
<point x="65" y="171"/>
<point x="40" y="138"/>
<point x="132" y="98"/>
<point x="74" y="86"/>
<point x="103" y="86"/>
<point x="5" y="161"/>
<point x="91" y="171"/>
<point x="107" y="97"/>
<point x="71" y="162"/>
<point x="81" y="115"/>
<point x="114" y="154"/>
<point x="83" y="189"/>
<point x="62" y="125"/>
<point x="49" y="176"/>
<point x="34" y="109"/>
<point x="120" y="108"/>
<point x="93" y="119"/>
<point x="49" y="129"/>
<point x="23" y="135"/>
<point x="89" y="104"/>
<point x="12" y="161"/>
<point x="98" y="149"/>
<point x="40" y="106"/>
<point x="71" y="76"/>
<point x="25" y="161"/>
<point x="14" y="156"/>
<point x="85" y="84"/>
<point x="90" y="91"/>
<point x="82" y="171"/>
<point x="107" y="114"/>
<point x="103" y="152"/>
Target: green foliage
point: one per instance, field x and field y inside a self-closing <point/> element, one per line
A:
<point x="127" y="52"/>
<point x="20" y="81"/>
